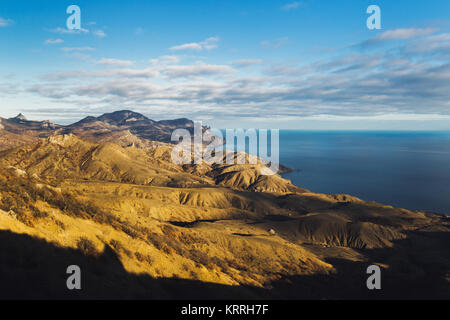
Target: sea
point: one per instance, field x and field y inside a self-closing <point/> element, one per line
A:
<point x="404" y="169"/>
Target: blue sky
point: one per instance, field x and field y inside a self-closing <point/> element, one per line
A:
<point x="307" y="64"/>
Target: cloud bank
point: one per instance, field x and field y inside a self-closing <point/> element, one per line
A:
<point x="411" y="77"/>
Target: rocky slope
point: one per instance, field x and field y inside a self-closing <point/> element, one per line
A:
<point x="141" y="226"/>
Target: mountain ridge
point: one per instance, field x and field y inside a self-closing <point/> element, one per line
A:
<point x="128" y="126"/>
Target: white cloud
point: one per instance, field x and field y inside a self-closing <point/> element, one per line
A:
<point x="275" y="44"/>
<point x="53" y="41"/>
<point x="115" y="62"/>
<point x="162" y="70"/>
<point x="68" y="31"/>
<point x="433" y="44"/>
<point x="80" y="56"/>
<point x="99" y="33"/>
<point x="165" y="60"/>
<point x="246" y="62"/>
<point x="208" y="44"/>
<point x="391" y="84"/>
<point x="72" y="49"/>
<point x="409" y="33"/>
<point x="123" y="74"/>
<point x="197" y="69"/>
<point x="5" y="22"/>
<point x="187" y="46"/>
<point x="398" y="34"/>
<point x="387" y="117"/>
<point x="290" y="6"/>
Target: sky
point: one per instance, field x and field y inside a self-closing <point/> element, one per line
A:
<point x="306" y="64"/>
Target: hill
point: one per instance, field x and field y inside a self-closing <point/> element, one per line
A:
<point x="139" y="222"/>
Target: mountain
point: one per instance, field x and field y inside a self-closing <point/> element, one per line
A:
<point x="20" y="117"/>
<point x="132" y="127"/>
<point x="126" y="127"/>
<point x="19" y="131"/>
<point x="124" y="117"/>
<point x="20" y="123"/>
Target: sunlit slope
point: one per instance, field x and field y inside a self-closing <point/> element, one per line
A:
<point x="83" y="216"/>
<point x="67" y="156"/>
<point x="186" y="194"/>
<point x="227" y="224"/>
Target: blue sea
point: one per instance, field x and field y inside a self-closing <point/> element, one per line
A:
<point x="404" y="169"/>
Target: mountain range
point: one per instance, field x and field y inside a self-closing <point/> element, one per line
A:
<point x="123" y="127"/>
<point x="103" y="193"/>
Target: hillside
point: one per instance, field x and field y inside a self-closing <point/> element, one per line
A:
<point x="144" y="227"/>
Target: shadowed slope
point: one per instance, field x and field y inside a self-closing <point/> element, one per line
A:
<point x="34" y="269"/>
